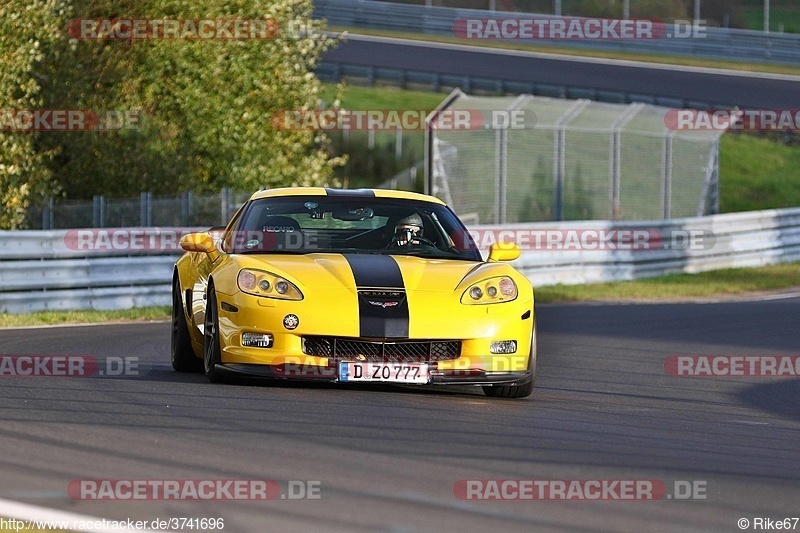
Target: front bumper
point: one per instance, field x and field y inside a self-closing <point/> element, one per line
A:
<point x="475" y="327"/>
<point x="330" y="374"/>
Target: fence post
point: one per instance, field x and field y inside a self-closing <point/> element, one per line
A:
<point x="47" y="214"/>
<point x="616" y="156"/>
<point x="98" y="211"/>
<point x="224" y="208"/>
<point x="398" y="144"/>
<point x="709" y="198"/>
<point x="715" y="181"/>
<point x="666" y="174"/>
<point x="430" y="136"/>
<point x="500" y="160"/>
<point x="145" y="209"/>
<point x="560" y="156"/>
<point x="186" y="207"/>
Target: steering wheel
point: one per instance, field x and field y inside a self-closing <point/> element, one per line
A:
<point x="422" y="240"/>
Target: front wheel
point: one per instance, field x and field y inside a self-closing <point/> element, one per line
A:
<point x="211" y="346"/>
<point x="522" y="390"/>
<point x="183" y="358"/>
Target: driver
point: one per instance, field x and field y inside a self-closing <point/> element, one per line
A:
<point x="407" y="230"/>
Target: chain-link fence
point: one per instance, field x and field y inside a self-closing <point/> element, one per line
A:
<point x="570" y="160"/>
<point x="186" y="209"/>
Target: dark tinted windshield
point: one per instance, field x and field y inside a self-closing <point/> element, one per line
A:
<point x="321" y="224"/>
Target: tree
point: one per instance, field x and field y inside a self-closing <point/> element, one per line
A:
<point x="26" y="29"/>
<point x="205" y="107"/>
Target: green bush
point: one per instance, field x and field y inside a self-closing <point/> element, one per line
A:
<point x="206" y="107"/>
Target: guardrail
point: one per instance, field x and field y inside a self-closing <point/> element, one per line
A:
<point x="117" y="268"/>
<point x="715" y="43"/>
<point x="51" y="270"/>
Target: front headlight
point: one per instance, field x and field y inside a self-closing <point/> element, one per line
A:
<point x="490" y="291"/>
<point x="267" y="284"/>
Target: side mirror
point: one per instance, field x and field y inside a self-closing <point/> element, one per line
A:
<point x="503" y="251"/>
<point x="198" y="242"/>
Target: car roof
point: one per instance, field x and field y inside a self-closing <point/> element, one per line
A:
<point x="366" y="193"/>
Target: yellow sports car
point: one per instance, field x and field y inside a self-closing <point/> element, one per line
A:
<point x="352" y="286"/>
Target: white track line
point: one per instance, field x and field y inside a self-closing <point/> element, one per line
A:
<point x="571" y="58"/>
<point x="24" y="511"/>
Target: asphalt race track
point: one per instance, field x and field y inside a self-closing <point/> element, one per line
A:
<point x="388" y="458"/>
<point x="750" y="91"/>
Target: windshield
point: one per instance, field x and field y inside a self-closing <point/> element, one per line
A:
<point x="325" y="224"/>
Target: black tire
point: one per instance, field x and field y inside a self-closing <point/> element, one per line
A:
<point x="183" y="357"/>
<point x="522" y="390"/>
<point x="211" y="346"/>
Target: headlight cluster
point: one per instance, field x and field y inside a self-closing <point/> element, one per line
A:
<point x="268" y="285"/>
<point x="490" y="291"/>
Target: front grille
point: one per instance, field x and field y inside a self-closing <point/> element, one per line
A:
<point x="339" y="348"/>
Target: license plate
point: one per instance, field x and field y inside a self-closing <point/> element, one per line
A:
<point x="385" y="372"/>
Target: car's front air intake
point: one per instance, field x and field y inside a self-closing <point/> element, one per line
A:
<point x="411" y="351"/>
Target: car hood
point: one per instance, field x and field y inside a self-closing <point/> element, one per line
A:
<point x="374" y="270"/>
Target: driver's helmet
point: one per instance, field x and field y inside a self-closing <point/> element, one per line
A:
<point x="407" y="229"/>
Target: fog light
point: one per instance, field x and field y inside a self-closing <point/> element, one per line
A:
<point x="504" y="347"/>
<point x="257" y="340"/>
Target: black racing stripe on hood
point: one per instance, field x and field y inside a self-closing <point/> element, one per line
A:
<point x="366" y="193"/>
<point x="382" y="314"/>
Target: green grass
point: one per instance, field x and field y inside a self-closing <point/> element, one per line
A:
<point x="758" y="173"/>
<point x="628" y="56"/>
<point x="77" y="317"/>
<point x="790" y="18"/>
<point x="679" y="286"/>
<point x="383" y="98"/>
